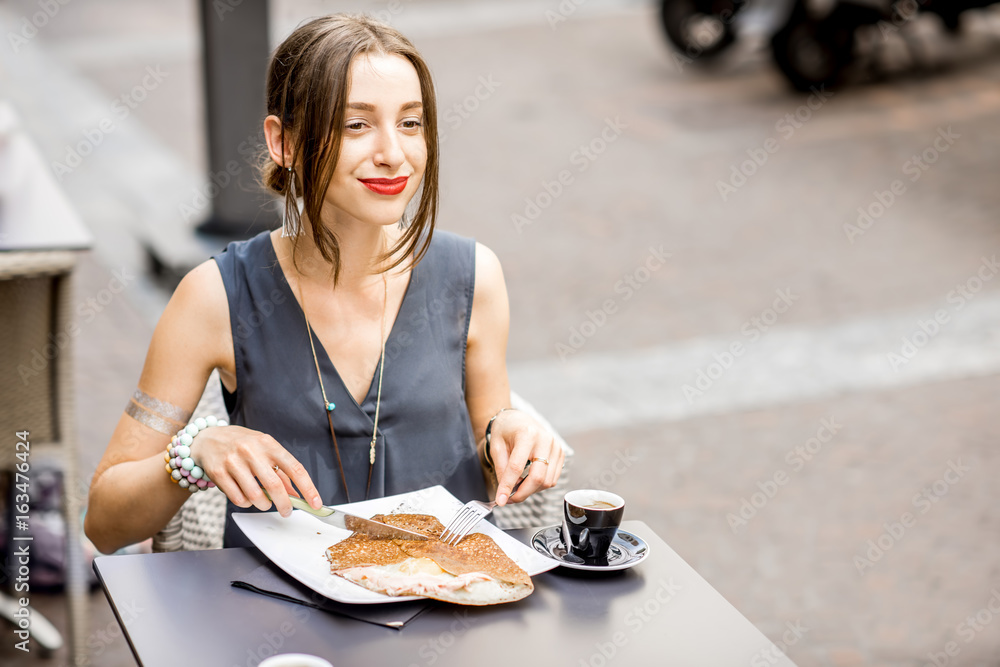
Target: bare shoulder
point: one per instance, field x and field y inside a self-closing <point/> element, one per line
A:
<point x="203" y="286"/>
<point x="489" y="274"/>
<point x="490" y="309"/>
<point x="199" y="302"/>
<point x="193" y="331"/>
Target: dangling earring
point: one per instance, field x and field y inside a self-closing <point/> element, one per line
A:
<point x="288" y="226"/>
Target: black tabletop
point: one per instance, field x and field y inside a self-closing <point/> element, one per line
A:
<point x="660" y="612"/>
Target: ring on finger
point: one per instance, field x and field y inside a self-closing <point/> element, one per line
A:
<point x="539" y="459"/>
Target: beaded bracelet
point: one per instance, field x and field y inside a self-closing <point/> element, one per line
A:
<point x="182" y="469"/>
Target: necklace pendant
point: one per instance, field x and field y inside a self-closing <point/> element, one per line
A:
<point x="330" y="407"/>
<point x="371" y="454"/>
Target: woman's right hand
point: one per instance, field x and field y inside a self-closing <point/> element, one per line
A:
<point x="233" y="456"/>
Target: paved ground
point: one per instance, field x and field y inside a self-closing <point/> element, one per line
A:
<point x="770" y="471"/>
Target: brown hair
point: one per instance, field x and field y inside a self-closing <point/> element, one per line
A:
<point x="308" y="81"/>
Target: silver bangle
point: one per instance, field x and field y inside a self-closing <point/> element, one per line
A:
<point x="489" y="433"/>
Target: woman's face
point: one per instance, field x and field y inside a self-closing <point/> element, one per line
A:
<point x="382" y="152"/>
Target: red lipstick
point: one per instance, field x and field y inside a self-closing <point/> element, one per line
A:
<point x="385" y="186"/>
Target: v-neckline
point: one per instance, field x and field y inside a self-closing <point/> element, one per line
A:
<point x="322" y="349"/>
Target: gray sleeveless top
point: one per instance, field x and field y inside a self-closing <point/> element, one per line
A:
<point x="425" y="436"/>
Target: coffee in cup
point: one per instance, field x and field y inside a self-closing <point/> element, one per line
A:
<point x="590" y="522"/>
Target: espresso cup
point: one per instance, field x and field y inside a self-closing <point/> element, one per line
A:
<point x="590" y="522"/>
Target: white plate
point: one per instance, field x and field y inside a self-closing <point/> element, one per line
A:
<point x="298" y="544"/>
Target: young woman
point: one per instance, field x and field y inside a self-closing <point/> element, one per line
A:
<point x="360" y="354"/>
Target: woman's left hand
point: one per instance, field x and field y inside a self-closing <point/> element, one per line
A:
<point x="515" y="439"/>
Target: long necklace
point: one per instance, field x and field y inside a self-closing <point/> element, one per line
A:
<point x="330" y="406"/>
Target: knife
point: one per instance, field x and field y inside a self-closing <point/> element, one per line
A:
<point x="356" y="524"/>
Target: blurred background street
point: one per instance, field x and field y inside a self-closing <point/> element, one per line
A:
<point x="768" y="319"/>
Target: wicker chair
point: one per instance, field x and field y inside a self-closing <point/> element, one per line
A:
<point x="36" y="363"/>
<point x="200" y="522"/>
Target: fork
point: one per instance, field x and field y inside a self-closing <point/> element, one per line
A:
<point x="470" y="515"/>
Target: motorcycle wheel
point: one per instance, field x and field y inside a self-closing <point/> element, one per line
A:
<point x="695" y="34"/>
<point x="813" y="53"/>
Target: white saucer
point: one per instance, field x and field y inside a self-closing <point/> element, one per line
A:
<point x="626" y="551"/>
